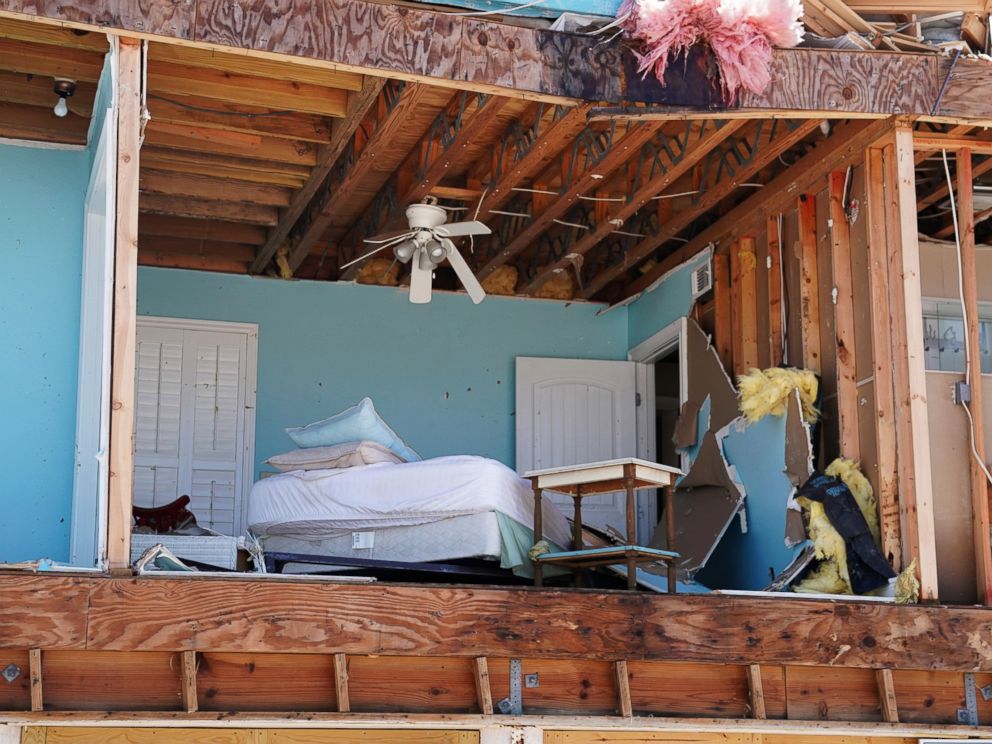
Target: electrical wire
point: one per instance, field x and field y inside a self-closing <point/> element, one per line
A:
<point x="964" y="318"/>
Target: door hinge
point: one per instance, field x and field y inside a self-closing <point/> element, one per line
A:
<point x="637" y="400"/>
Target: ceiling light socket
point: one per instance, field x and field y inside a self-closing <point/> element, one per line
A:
<point x="64" y="87"/>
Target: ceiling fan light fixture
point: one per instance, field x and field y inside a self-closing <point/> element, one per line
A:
<point x="404" y="251"/>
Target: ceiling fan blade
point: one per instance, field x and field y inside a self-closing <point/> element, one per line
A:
<point x="421" y="274"/>
<point x="458" y="229"/>
<point x="362" y="258"/>
<point x="390" y="236"/>
<point x="464" y="273"/>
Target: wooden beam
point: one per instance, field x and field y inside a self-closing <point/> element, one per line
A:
<point x="200" y="230"/>
<point x="125" y="308"/>
<point x="843" y="282"/>
<point x="622" y="678"/>
<point x="755" y="692"/>
<point x="722" y="302"/>
<point x="699" y="142"/>
<point x="224" y="166"/>
<point x="199" y="208"/>
<point x="483" y="689"/>
<point x="623" y="148"/>
<point x="187" y="681"/>
<point x="887" y="695"/>
<point x="736" y="312"/>
<point x="341" y="682"/>
<point x="39" y="33"/>
<point x="327" y="156"/>
<point x="238" y="144"/>
<point x="927" y="142"/>
<point x="204" y="187"/>
<point x="192" y="262"/>
<point x="912" y="432"/>
<point x="43" y="59"/>
<point x="775" y="339"/>
<point x="980" y="487"/>
<point x="844" y="145"/>
<point x="39" y="124"/>
<point x="242" y="64"/>
<point x="37" y="91"/>
<point x="233" y="615"/>
<point x="182" y="247"/>
<point x="712" y="196"/>
<point x="285" y="95"/>
<point x="443" y="153"/>
<point x="393" y="121"/>
<point x="749" y="304"/>
<point x="884" y="418"/>
<point x="235" y="117"/>
<point x="809" y="298"/>
<point x="37" y="680"/>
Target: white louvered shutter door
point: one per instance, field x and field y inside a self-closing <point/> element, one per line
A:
<point x="158" y="404"/>
<point x="214" y="364"/>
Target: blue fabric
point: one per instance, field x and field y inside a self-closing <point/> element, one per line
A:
<point x="357" y="424"/>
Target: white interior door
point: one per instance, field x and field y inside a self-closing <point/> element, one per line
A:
<point x="572" y="411"/>
<point x="87" y="540"/>
<point x="194" y="419"/>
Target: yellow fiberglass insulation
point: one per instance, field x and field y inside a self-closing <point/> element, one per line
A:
<point x="763" y="392"/>
<point x="907" y="585"/>
<point x="830" y="575"/>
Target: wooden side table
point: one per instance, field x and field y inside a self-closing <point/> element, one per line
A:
<point x="627" y="474"/>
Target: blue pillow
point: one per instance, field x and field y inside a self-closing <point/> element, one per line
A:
<point x="356" y="424"/>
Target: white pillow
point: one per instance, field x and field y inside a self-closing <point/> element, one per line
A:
<point x="346" y="455"/>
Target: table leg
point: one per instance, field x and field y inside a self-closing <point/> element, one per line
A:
<point x="670" y="536"/>
<point x="628" y="472"/>
<point x="538" y="531"/>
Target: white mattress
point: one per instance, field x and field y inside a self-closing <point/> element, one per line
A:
<point x="468" y="536"/>
<point x="329" y="503"/>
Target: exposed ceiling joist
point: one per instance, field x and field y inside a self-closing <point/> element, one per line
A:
<point x="196" y="230"/>
<point x="198" y="208"/>
<point x="238" y="144"/>
<point x="675" y="160"/>
<point x="220" y="166"/>
<point x="941" y="192"/>
<point x="845" y="144"/>
<point x="454" y="131"/>
<point x="283" y="95"/>
<point x="204" y="187"/>
<point x="51" y="61"/>
<point x="763" y="153"/>
<point x="327" y="155"/>
<point x="342" y="181"/>
<point x="214" y="114"/>
<point x="38" y="123"/>
<point x="597" y="167"/>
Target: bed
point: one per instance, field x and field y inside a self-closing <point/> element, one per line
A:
<point x="443" y="509"/>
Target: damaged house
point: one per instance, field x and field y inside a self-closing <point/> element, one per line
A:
<point x="495" y="372"/>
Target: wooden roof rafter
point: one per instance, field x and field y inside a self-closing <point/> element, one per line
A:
<point x="460" y="125"/>
<point x="724" y="182"/>
<point x="586" y="163"/>
<point x="845" y="144"/>
<point x="673" y="159"/>
<point x="402" y="103"/>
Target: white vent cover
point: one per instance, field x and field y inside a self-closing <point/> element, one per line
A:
<point x="702" y="279"/>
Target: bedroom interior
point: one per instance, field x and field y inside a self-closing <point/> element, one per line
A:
<point x="287" y="489"/>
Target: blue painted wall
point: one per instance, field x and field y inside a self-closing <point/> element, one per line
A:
<point x="42" y="195"/>
<point x="664" y="304"/>
<point x="440" y="374"/>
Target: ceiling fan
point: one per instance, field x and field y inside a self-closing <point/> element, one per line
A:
<point x="425" y="245"/>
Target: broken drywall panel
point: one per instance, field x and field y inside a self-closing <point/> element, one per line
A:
<point x="686" y="431"/>
<point x="707" y="377"/>
<point x="705" y="501"/>
<point x="702" y="426"/>
<point x="756" y="452"/>
<point x="669" y="299"/>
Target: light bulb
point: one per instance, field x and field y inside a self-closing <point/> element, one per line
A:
<point x="61" y="108"/>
